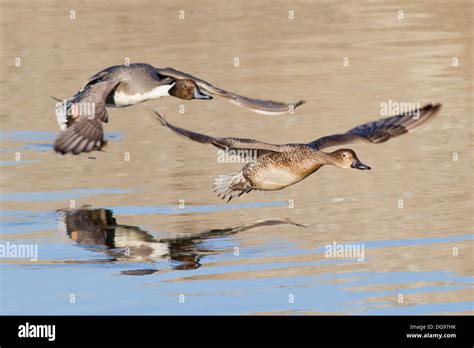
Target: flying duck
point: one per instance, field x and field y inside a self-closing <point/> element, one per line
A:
<point x="80" y="117"/>
<point x="275" y="167"/>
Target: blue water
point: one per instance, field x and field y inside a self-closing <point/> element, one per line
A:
<point x="159" y="209"/>
<point x="35" y="141"/>
<point x="102" y="286"/>
<point x="45" y="291"/>
<point x="14" y="163"/>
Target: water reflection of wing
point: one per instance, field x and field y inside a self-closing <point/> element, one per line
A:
<point x="98" y="227"/>
<point x="188" y="250"/>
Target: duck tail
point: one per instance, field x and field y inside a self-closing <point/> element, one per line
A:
<point x="231" y="186"/>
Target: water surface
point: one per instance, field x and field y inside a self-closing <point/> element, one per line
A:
<point x="138" y="230"/>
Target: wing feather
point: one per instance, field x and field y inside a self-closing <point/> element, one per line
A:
<point x="267" y="107"/>
<point x="223" y="143"/>
<point x="381" y="130"/>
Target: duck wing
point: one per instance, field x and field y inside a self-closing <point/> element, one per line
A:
<point x="234" y="144"/>
<point x="84" y="131"/>
<point x="381" y="130"/>
<point x="266" y="107"/>
<point x="119" y="72"/>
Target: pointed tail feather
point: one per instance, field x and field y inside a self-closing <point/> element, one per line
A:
<point x="57" y="99"/>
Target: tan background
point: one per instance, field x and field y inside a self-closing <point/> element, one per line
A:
<point x="407" y="60"/>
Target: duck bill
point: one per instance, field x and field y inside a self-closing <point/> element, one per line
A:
<point x="359" y="165"/>
<point x="198" y="94"/>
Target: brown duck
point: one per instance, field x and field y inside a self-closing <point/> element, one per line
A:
<point x="275" y="167"/>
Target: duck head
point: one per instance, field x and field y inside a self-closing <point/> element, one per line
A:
<point x="346" y="158"/>
<point x="187" y="90"/>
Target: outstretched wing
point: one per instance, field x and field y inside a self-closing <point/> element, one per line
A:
<point x="223" y="143"/>
<point x="84" y="131"/>
<point x="100" y="76"/>
<point x="381" y="130"/>
<point x="83" y="136"/>
<point x="267" y="107"/>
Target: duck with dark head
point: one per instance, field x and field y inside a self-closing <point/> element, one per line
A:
<point x="126" y="85"/>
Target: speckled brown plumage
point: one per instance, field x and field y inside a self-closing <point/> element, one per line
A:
<point x="278" y="166"/>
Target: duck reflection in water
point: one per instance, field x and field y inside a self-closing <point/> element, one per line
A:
<point x="97" y="230"/>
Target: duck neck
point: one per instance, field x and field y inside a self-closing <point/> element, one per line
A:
<point x="172" y="89"/>
<point x="324" y="158"/>
<point x="317" y="160"/>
